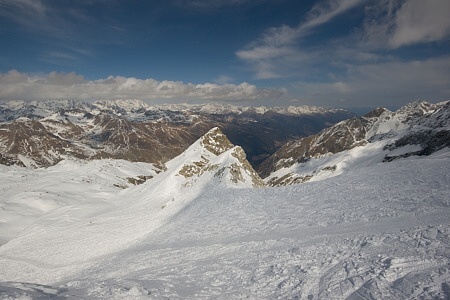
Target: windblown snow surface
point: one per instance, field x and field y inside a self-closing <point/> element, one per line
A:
<point x="380" y="231"/>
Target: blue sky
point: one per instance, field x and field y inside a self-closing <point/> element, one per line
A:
<point x="338" y="53"/>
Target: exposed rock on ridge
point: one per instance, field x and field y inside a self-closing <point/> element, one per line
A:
<point x="214" y="154"/>
<point x="342" y="136"/>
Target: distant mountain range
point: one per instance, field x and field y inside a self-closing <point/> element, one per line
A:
<point x="42" y="133"/>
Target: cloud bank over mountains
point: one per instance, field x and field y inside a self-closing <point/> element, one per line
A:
<point x="54" y="85"/>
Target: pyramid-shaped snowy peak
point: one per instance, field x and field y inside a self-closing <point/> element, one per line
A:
<point x="214" y="157"/>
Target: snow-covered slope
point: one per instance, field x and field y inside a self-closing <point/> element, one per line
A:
<point x="419" y="128"/>
<point x="380" y="232"/>
<point x="28" y="194"/>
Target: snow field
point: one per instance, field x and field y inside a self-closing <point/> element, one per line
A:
<point x="381" y="231"/>
<point x="27" y="194"/>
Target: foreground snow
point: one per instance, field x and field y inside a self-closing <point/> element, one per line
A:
<point x="379" y="231"/>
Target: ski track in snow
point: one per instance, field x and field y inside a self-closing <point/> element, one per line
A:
<point x="378" y="232"/>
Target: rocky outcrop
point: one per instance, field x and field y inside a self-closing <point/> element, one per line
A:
<point x="215" y="156"/>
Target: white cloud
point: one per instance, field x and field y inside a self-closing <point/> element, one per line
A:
<point x="223" y="79"/>
<point x="420" y="21"/>
<point x="16" y="85"/>
<point x="391" y="24"/>
<point x="359" y="67"/>
<point x="284" y="51"/>
<point x="326" y="11"/>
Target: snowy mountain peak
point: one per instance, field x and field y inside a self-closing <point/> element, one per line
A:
<point x="215" y="141"/>
<point x="418" y="107"/>
<point x="376" y="112"/>
<point x="213" y="157"/>
<point x="129" y="105"/>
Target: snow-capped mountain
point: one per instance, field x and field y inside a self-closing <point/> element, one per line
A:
<point x="419" y="128"/>
<point x="213" y="155"/>
<point x="42" y="133"/>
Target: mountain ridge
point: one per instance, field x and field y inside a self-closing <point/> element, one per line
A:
<point x="127" y="106"/>
<point x="422" y="126"/>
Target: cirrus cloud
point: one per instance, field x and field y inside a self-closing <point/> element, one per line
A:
<point x="277" y="51"/>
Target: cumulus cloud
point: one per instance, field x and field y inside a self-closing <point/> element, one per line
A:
<point x="54" y="85"/>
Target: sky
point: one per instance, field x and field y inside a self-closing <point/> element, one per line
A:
<point x="333" y="53"/>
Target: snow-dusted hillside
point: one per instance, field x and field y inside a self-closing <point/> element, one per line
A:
<point x="419" y="128"/>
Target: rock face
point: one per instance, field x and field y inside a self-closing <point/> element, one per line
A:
<point x="213" y="156"/>
<point x="41" y="133"/>
<point x="419" y="128"/>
